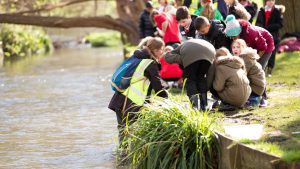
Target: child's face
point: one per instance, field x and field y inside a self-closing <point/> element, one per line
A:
<point x="185" y="22"/>
<point x="270" y="3"/>
<point x="236" y="49"/>
<point x="204" y="29"/>
<point x="158" y="53"/>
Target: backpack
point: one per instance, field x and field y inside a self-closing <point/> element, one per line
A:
<point x="122" y="76"/>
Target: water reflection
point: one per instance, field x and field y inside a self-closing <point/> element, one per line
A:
<point x="53" y="110"/>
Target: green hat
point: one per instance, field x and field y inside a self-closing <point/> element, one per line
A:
<point x="233" y="27"/>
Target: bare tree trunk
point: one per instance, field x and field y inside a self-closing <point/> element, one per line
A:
<point x="290" y="20"/>
<point x="95" y="7"/>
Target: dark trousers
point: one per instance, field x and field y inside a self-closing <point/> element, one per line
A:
<point x="271" y="63"/>
<point x="196" y="77"/>
<point x="264" y="62"/>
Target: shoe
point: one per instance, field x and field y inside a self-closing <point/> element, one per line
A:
<point x="203" y="102"/>
<point x="253" y="101"/>
<point x="195" y="101"/>
<point x="263" y="103"/>
<point x="216" y="104"/>
<point x="226" y="107"/>
<point x="269" y="72"/>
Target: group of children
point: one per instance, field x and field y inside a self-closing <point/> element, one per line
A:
<point x="227" y="58"/>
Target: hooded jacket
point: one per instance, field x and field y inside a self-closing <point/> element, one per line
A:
<point x="256" y="37"/>
<point x="191" y="51"/>
<point x="151" y="72"/>
<point x="231" y="81"/>
<point x="255" y="73"/>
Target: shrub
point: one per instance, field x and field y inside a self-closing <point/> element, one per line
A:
<point x="169" y="134"/>
<point x="20" y="41"/>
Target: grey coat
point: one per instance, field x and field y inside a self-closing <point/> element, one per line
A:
<point x="191" y="51"/>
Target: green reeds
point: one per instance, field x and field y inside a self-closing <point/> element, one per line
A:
<point x="170" y="134"/>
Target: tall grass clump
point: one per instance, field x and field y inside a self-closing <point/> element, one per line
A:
<point x="170" y="134"/>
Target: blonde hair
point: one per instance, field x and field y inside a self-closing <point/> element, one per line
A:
<point x="241" y="42"/>
<point x="222" y="52"/>
<point x="208" y="11"/>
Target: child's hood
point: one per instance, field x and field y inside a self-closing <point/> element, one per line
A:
<point x="249" y="55"/>
<point x="231" y="61"/>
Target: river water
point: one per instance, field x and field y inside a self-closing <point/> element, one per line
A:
<point x="53" y="110"/>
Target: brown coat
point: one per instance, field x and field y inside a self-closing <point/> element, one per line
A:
<point x="255" y="73"/>
<point x="231" y="81"/>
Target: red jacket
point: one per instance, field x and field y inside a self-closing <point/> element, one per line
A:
<point x="169" y="71"/>
<point x="256" y="37"/>
<point x="172" y="32"/>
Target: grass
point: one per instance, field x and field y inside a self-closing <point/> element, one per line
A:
<point x="104" y="39"/>
<point x="287" y="70"/>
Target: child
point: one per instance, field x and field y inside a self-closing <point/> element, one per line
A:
<point x="196" y="56"/>
<point x="254" y="70"/>
<point x="145" y="26"/>
<point x="251" y="7"/>
<point x="186" y="23"/>
<point x="133" y="98"/>
<point x="238" y="10"/>
<point x="207" y="10"/>
<point x="255" y="37"/>
<point x="169" y="27"/>
<point x="270" y="17"/>
<point x="230" y="82"/>
<point x="212" y="31"/>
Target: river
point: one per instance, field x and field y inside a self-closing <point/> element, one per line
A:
<point x="53" y="110"/>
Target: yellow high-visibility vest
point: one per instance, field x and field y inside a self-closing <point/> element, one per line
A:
<point x="139" y="84"/>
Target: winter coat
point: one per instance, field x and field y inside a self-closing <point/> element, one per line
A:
<point x="255" y="73"/>
<point x="275" y="22"/>
<point x="191" y="33"/>
<point x="145" y="25"/>
<point x="191" y="51"/>
<point x="251" y="8"/>
<point x="151" y="72"/>
<point x="239" y="11"/>
<point x="216" y="35"/>
<point x="256" y="37"/>
<point x="231" y="82"/>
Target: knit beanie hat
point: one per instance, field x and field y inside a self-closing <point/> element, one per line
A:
<point x="233" y="27"/>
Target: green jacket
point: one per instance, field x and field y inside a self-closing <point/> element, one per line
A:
<point x="217" y="15"/>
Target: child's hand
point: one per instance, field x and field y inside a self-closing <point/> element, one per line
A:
<point x="168" y="49"/>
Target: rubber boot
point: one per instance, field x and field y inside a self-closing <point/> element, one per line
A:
<point x="195" y="101"/>
<point x="203" y="101"/>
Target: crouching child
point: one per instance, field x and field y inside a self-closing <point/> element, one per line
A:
<point x="254" y="70"/>
<point x="230" y="83"/>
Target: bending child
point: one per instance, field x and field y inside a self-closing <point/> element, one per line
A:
<point x="196" y="56"/>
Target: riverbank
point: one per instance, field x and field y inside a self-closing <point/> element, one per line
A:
<point x="278" y="126"/>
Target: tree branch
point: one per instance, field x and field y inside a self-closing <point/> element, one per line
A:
<point x="49" y="7"/>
